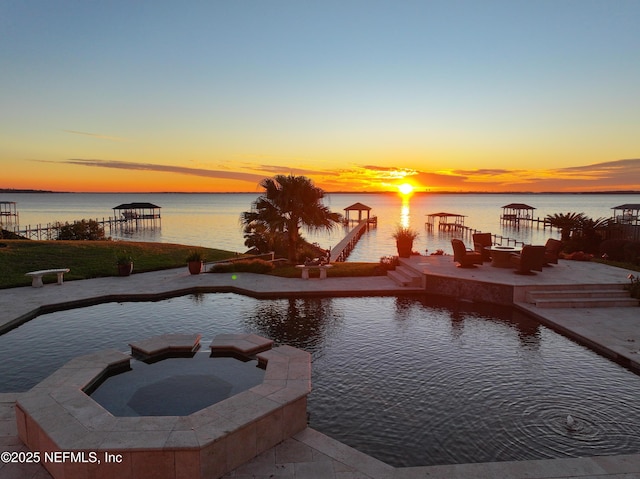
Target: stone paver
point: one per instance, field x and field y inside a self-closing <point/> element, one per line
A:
<point x="310" y="454"/>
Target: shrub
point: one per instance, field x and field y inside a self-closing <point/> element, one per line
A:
<point x="402" y="233"/>
<point x="124" y="257"/>
<point x="258" y="266"/>
<point x="194" y="255"/>
<point x="4" y="234"/>
<point x="613" y="249"/>
<point x="632" y="252"/>
<point x="83" y="230"/>
<point x="309" y="250"/>
<point x="389" y="263"/>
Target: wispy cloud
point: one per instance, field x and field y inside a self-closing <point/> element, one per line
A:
<point x="390" y="171"/>
<point x="127" y="165"/>
<point x="286" y="170"/>
<point x="618" y="174"/>
<point x="96" y="135"/>
<point x="611" y="175"/>
<point x="484" y="172"/>
<point x="618" y="169"/>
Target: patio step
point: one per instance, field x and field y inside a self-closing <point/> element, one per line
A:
<point x="404" y="276"/>
<point x="593" y="296"/>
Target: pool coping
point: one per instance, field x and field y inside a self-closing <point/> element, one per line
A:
<point x="57" y="416"/>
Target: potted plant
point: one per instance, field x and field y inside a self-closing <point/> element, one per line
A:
<point x="194" y="262"/>
<point x="125" y="264"/>
<point x="404" y="237"/>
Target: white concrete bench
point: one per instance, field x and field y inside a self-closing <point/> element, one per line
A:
<point x="306" y="267"/>
<point x="37" y="275"/>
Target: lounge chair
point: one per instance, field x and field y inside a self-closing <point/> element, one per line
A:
<point x="552" y="251"/>
<point x="465" y="258"/>
<point x="532" y="257"/>
<point x="480" y="242"/>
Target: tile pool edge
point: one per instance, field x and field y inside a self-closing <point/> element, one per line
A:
<point x="57" y="416"/>
<point x="93" y="300"/>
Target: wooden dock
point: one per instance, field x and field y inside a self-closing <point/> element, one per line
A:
<point x="341" y="251"/>
<point x="50" y="231"/>
<point x="466" y="233"/>
<point x="526" y="221"/>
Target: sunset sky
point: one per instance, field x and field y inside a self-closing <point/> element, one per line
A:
<point x="215" y="95"/>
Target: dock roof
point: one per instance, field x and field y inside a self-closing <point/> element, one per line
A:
<point x="135" y="206"/>
<point x="444" y="215"/>
<point x="518" y="206"/>
<point x="627" y="206"/>
<point x="357" y="207"/>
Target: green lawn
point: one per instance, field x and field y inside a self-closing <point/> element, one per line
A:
<point x="93" y="259"/>
<point x="90" y="259"/>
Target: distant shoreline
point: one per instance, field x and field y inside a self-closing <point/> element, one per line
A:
<point x="610" y="192"/>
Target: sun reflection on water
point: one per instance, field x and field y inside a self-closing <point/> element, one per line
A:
<point x="405" y="212"/>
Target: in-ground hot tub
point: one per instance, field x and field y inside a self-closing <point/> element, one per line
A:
<point x="58" y="415"/>
<point x="176" y="383"/>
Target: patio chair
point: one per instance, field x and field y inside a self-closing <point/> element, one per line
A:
<point x="552" y="251"/>
<point x="480" y="242"/>
<point x="532" y="257"/>
<point x="465" y="258"/>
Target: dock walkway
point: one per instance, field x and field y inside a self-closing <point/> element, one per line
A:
<point x="341" y="251"/>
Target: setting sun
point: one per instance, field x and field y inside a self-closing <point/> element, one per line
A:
<point x="405" y="189"/>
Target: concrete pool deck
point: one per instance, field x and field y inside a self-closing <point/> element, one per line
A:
<point x="614" y="332"/>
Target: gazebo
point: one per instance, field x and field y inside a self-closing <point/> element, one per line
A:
<point x="446" y="221"/>
<point x="359" y="207"/>
<point x="514" y="212"/>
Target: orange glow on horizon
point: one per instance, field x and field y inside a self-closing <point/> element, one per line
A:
<point x="128" y="176"/>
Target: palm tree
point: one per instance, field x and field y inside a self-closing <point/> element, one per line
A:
<point x="591" y="230"/>
<point x="566" y="222"/>
<point x="590" y="227"/>
<point x="288" y="204"/>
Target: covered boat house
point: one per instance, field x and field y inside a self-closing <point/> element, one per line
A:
<point x="139" y="214"/>
<point x="516" y="212"/>
<point x="8" y="213"/>
<point x="627" y="218"/>
<point x="445" y="221"/>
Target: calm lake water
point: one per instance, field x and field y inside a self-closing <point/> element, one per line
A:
<point x="212" y="220"/>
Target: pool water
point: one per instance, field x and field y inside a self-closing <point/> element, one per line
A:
<point x="176" y="386"/>
<point x="411" y="381"/>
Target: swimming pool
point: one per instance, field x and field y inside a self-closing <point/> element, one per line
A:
<point x="411" y="381"/>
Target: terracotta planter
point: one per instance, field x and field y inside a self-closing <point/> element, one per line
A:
<point x="195" y="267"/>
<point x="405" y="247"/>
<point x="125" y="269"/>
